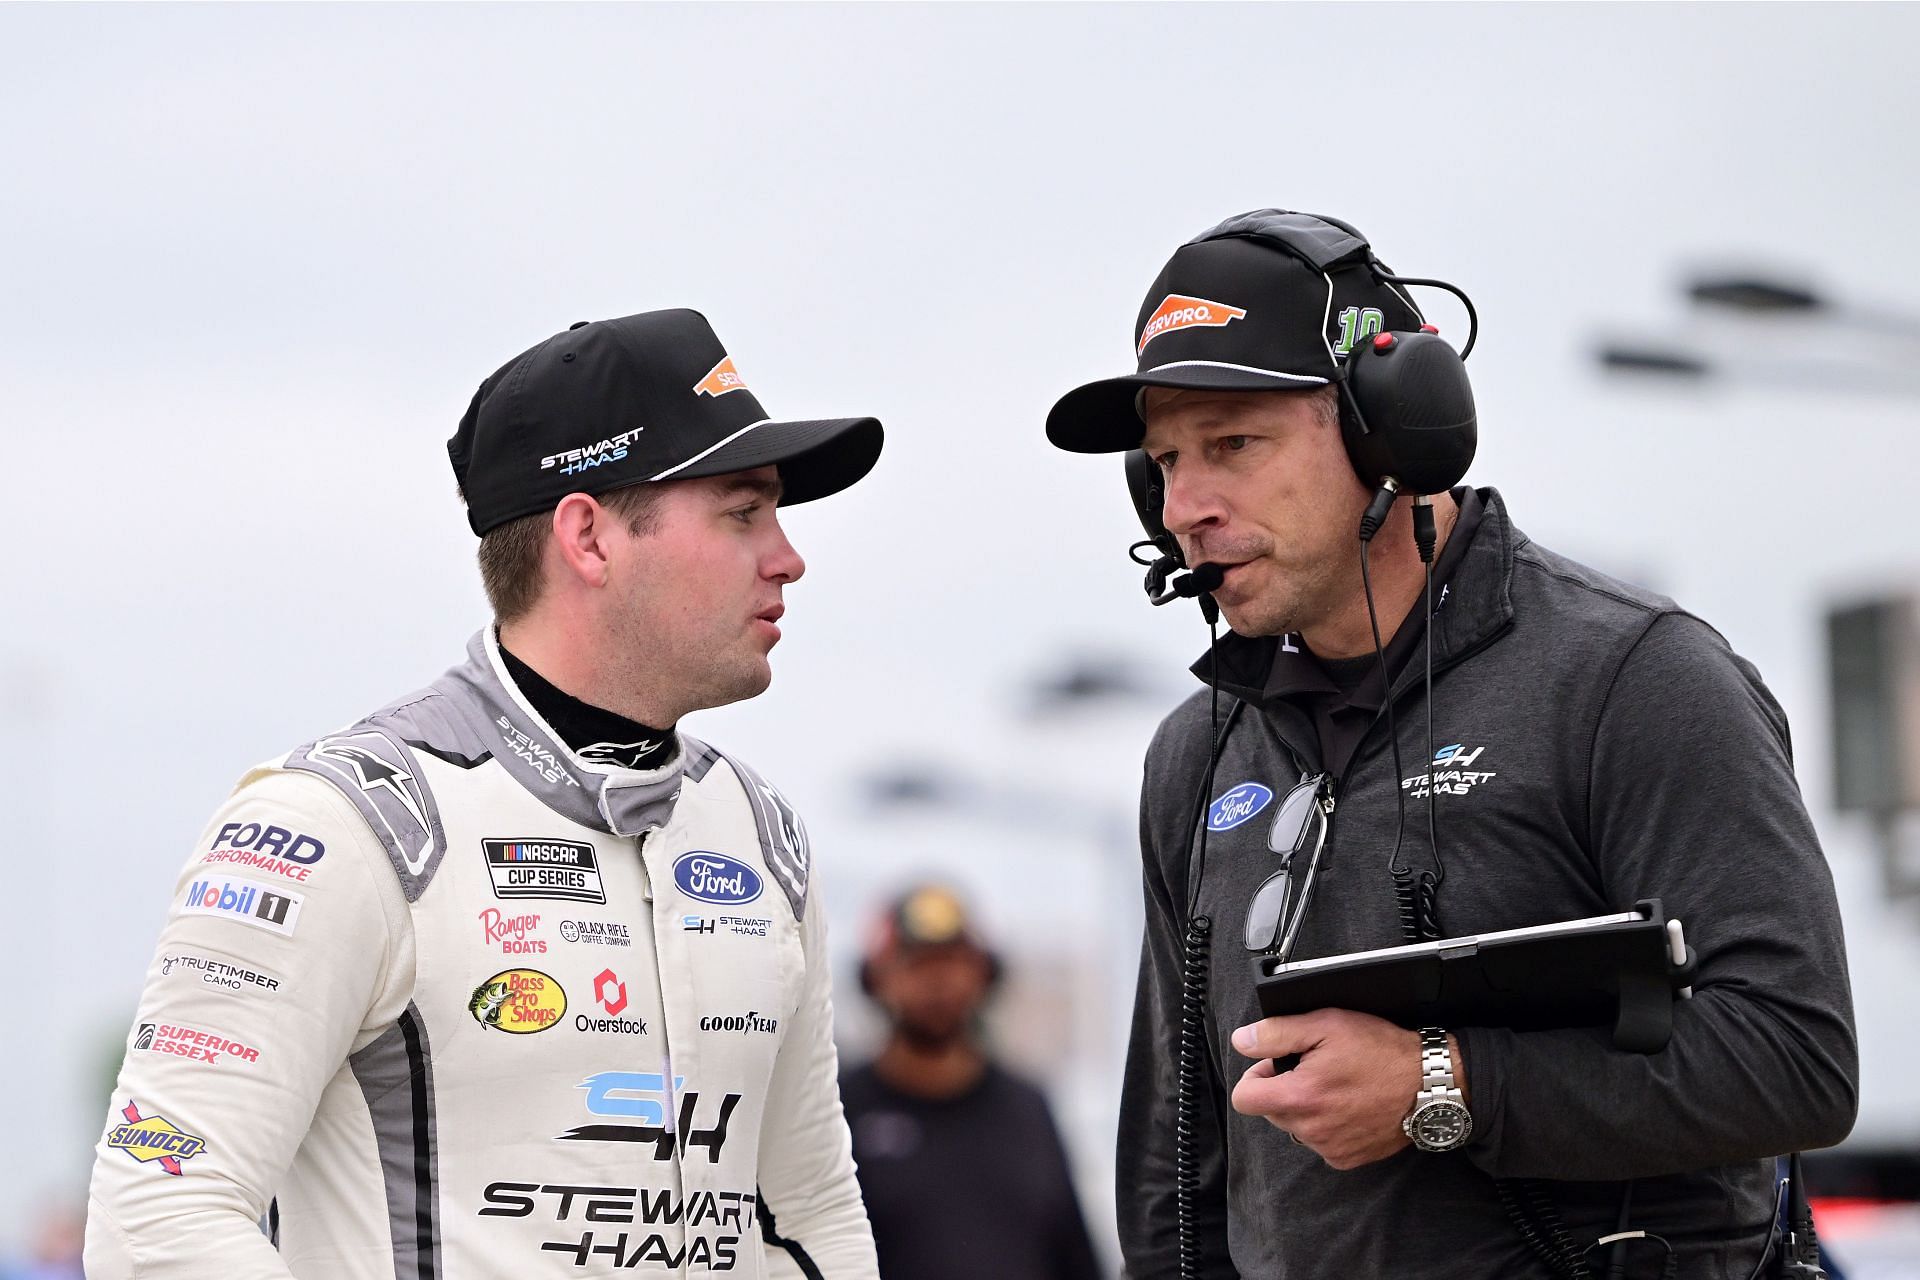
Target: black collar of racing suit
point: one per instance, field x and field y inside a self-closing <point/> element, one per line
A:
<point x="1475" y="569"/>
<point x="595" y="793"/>
<point x="590" y="732"/>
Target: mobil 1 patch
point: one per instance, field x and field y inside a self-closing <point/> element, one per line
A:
<point x="533" y="868"/>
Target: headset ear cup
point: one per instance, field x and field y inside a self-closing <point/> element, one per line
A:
<point x="1416" y="419"/>
<point x="1147" y="487"/>
<point x="1362" y="447"/>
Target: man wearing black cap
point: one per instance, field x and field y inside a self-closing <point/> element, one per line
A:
<point x="513" y="976"/>
<point x="961" y="1164"/>
<point x="1596" y="746"/>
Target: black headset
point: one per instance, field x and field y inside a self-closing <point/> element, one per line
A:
<point x="1406" y="408"/>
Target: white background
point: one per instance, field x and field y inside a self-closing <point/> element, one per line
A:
<point x="253" y="262"/>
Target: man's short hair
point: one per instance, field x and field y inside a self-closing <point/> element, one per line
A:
<point x="1327" y="401"/>
<point x="510" y="554"/>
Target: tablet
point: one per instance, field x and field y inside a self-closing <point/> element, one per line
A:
<point x="1621" y="970"/>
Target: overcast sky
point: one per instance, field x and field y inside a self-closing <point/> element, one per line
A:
<point x="257" y="258"/>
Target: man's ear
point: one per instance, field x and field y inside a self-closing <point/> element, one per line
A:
<point x="580" y="529"/>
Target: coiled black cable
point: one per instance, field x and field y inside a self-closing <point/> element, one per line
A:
<point x="1539" y="1224"/>
<point x="1405" y="903"/>
<point x="1428" y="908"/>
<point x="1193" y="1057"/>
<point x="1416" y="898"/>
<point x="1193" y="988"/>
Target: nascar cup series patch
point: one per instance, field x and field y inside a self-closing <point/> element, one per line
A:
<point x="531" y="868"/>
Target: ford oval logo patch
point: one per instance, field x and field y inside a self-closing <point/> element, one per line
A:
<point x="716" y="878"/>
<point x="1237" y="806"/>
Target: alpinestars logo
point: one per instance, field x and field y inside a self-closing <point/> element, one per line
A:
<point x="626" y="755"/>
<point x="371" y="773"/>
<point x="1178" y="311"/>
<point x="1450" y="775"/>
<point x="376" y="766"/>
<point x="793" y="833"/>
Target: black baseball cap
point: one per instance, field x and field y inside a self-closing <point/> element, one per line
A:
<point x="646" y="397"/>
<point x="1233" y="310"/>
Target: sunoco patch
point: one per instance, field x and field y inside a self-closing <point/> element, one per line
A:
<point x="154" y="1139"/>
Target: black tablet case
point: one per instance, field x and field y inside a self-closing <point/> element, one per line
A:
<point x="1598" y="972"/>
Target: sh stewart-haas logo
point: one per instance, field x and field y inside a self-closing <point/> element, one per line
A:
<point x="617" y="1097"/>
<point x="1450" y="775"/>
<point x="1178" y="311"/>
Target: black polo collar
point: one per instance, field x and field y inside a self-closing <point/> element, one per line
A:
<point x="1472" y="600"/>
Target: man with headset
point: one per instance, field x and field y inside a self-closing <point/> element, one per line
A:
<point x="514" y="977"/>
<point x="1597" y="745"/>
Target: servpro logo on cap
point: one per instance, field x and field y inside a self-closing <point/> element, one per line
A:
<point x="1178" y="311"/>
<point x="720" y="379"/>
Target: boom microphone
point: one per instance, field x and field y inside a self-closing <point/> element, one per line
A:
<point x="1207" y="577"/>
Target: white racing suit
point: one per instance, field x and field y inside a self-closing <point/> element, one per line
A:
<point x="438" y="999"/>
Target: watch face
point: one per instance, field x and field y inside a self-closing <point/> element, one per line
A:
<point x="1440" y="1125"/>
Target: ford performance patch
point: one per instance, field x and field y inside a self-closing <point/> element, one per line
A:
<point x="1237" y="806"/>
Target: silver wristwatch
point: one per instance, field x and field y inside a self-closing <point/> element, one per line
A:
<point x="1439" y="1120"/>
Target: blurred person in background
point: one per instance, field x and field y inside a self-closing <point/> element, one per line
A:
<point x="1602" y="746"/>
<point x="960" y="1162"/>
<point x="513" y="977"/>
<point x="58" y="1233"/>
